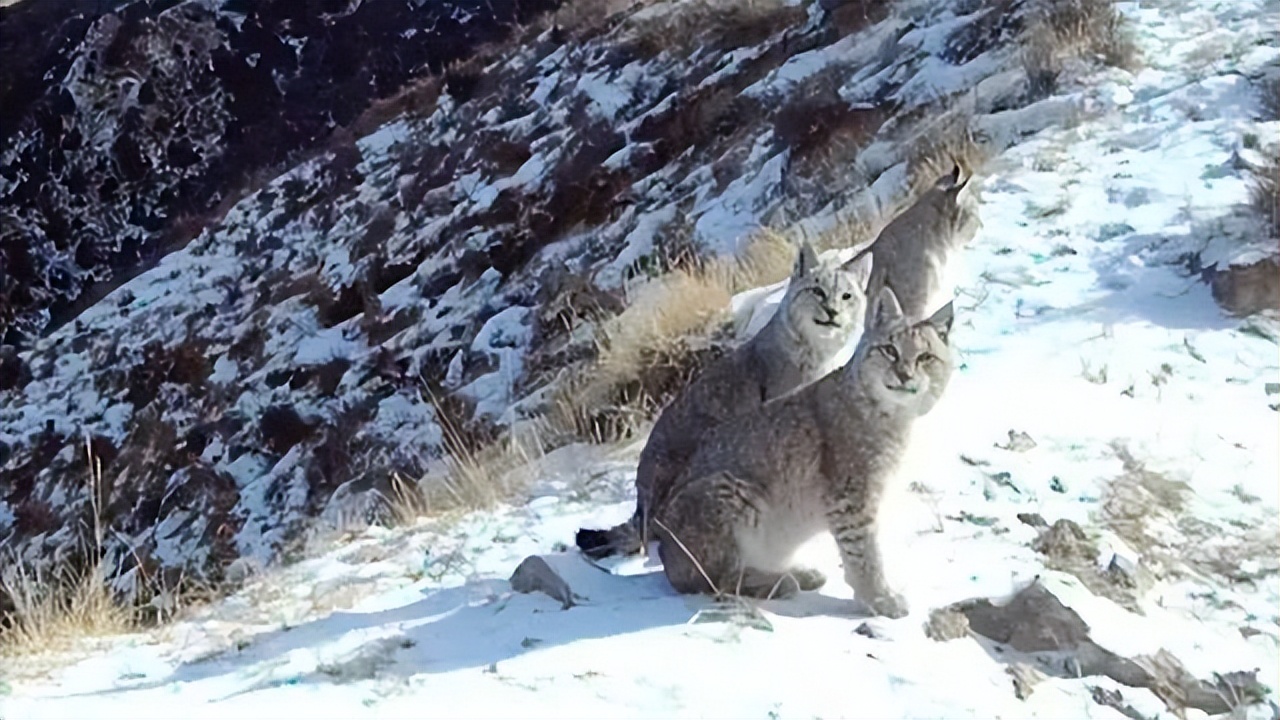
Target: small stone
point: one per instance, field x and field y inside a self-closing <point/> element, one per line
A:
<point x="1035" y="520"/>
<point x="1123" y="571"/>
<point x="866" y="630"/>
<point x="1065" y="540"/>
<point x="535" y="575"/>
<point x="1018" y="442"/>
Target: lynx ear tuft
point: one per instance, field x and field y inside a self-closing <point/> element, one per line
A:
<point x="954" y="181"/>
<point x="806" y="261"/>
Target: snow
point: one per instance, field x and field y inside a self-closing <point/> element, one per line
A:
<point x="324" y="346"/>
<point x="1075" y="271"/>
<point x="503" y="339"/>
<point x="639" y="243"/>
<point x="725" y="219"/>
<point x="611" y="91"/>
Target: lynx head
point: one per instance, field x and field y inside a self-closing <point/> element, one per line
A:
<point x="826" y="301"/>
<point x="903" y="363"/>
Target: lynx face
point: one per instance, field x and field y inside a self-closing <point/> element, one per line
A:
<point x="905" y="364"/>
<point x="827" y="299"/>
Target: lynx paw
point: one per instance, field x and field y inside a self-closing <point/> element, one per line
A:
<point x="807" y="578"/>
<point x="890" y="605"/>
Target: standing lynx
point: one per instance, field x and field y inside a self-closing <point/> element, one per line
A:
<point x="819" y="459"/>
<point x="823" y="307"/>
<point x="912" y="252"/>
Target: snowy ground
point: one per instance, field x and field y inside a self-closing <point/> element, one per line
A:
<point x="1076" y="326"/>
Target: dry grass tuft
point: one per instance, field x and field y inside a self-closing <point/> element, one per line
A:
<point x="49" y="613"/>
<point x="581" y="15"/>
<point x="473" y="473"/>
<point x="52" y="613"/>
<point x="661" y="339"/>
<point x="42" y="612"/>
<point x="686" y="27"/>
<point x="1148" y="511"/>
<point x="1136" y="506"/>
<point x="1059" y="31"/>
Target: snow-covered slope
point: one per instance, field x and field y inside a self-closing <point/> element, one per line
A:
<point x="1099" y="383"/>
<point x="283" y="364"/>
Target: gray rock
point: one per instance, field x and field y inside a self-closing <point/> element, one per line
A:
<point x="535" y="575"/>
<point x="1018" y="442"/>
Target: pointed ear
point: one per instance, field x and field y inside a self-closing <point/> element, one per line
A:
<point x="954" y="181"/>
<point x="948" y="181"/>
<point x="887" y="311"/>
<point x="806" y="261"/>
<point x="942" y="319"/>
<point x="859" y="268"/>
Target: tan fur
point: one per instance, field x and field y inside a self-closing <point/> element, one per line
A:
<point x="762" y="484"/>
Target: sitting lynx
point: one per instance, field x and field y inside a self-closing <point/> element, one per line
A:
<point x="762" y="484"/>
<point x="823" y="307"/>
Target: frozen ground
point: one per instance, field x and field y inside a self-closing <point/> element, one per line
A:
<point x="1077" y="326"/>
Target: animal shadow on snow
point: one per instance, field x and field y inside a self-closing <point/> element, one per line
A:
<point x="1148" y="277"/>
<point x="475" y="625"/>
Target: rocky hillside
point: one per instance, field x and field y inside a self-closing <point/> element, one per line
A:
<point x="261" y="258"/>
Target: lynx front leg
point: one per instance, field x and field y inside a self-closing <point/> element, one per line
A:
<point x="864" y="567"/>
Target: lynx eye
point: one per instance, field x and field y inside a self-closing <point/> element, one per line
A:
<point x="890" y="352"/>
<point x="822" y="295"/>
<point x="926" y="358"/>
<point x="847" y="296"/>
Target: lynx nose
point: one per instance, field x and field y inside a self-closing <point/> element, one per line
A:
<point x="904" y="374"/>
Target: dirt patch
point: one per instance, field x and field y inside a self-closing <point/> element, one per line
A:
<point x="1248" y="289"/>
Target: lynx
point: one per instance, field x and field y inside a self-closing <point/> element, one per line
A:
<point x="912" y="252"/>
<point x="824" y="305"/>
<point x="763" y="484"/>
